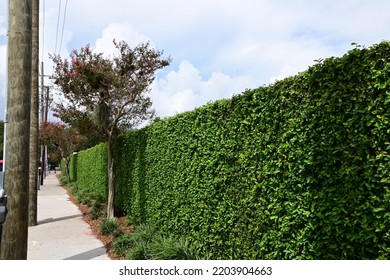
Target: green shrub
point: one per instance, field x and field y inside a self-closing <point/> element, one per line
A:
<point x="96" y="210"/>
<point x="63" y="180"/>
<point x="73" y="168"/>
<point x="130" y="221"/>
<point x="169" y="248"/>
<point x="145" y="242"/>
<point x="135" y="244"/>
<point x="92" y="171"/>
<point x="110" y="227"/>
<point x="83" y="196"/>
<point x="144" y="233"/>
<point x="122" y="244"/>
<point x="139" y="251"/>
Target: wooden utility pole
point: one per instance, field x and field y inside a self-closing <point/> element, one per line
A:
<point x="34" y="127"/>
<point x="45" y="103"/>
<point x="15" y="229"/>
<point x="42" y="120"/>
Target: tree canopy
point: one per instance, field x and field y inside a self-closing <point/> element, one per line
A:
<point x="62" y="137"/>
<point x="107" y="95"/>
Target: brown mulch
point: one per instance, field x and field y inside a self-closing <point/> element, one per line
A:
<point x="107" y="240"/>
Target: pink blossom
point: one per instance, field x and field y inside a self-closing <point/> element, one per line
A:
<point x="71" y="74"/>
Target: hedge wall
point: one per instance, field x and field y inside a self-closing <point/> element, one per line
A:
<point x="295" y="170"/>
<point x="72" y="168"/>
<point x="92" y="172"/>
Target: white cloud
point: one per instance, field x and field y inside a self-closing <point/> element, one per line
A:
<point x="118" y="31"/>
<point x="185" y="89"/>
<point x="3" y="58"/>
<point x="3" y="90"/>
<point x="286" y="71"/>
<point x="218" y="48"/>
<point x="3" y="30"/>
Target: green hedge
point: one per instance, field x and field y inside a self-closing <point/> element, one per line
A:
<point x="73" y="168"/>
<point x="130" y="168"/>
<point x="295" y="170"/>
<point x="92" y="172"/>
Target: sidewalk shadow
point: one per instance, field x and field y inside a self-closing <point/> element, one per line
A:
<point x="51" y="220"/>
<point x="89" y="255"/>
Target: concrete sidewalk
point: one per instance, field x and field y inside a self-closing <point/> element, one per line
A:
<point x="61" y="233"/>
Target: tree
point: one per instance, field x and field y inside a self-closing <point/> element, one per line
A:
<point x="15" y="232"/>
<point x="109" y="95"/>
<point x="63" y="138"/>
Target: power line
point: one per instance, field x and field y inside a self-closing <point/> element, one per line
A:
<point x="63" y="25"/>
<point x="58" y="25"/>
<point x="43" y="30"/>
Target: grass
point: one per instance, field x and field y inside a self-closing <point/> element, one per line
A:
<point x="110" y="226"/>
<point x="146" y="243"/>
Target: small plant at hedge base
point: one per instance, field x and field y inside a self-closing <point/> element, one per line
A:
<point x="140" y="251"/>
<point x="144" y="233"/>
<point x="110" y="226"/>
<point x="146" y="243"/>
<point x="132" y="220"/>
<point x="63" y="180"/>
<point x="96" y="210"/>
<point x="122" y="244"/>
<point x="135" y="244"/>
<point x="168" y="248"/>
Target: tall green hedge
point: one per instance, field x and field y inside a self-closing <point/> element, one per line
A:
<point x="73" y="168"/>
<point x="92" y="171"/>
<point x="295" y="170"/>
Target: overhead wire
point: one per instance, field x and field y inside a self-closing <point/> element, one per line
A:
<point x="43" y="29"/>
<point x="63" y="25"/>
<point x="58" y="25"/>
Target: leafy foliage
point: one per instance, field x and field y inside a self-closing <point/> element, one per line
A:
<point x="106" y="95"/>
<point x="63" y="138"/>
<point x="294" y="170"/>
<point x="96" y="209"/>
<point x="147" y="243"/>
<point x="110" y="226"/>
<point x="92" y="172"/>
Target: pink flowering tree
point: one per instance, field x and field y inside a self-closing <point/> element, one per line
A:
<point x="107" y="95"/>
<point x="61" y="137"/>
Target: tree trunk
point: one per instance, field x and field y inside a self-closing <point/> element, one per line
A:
<point x="15" y="231"/>
<point x="34" y="127"/>
<point x="111" y="179"/>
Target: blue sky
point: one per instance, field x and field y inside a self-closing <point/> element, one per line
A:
<point x="219" y="47"/>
